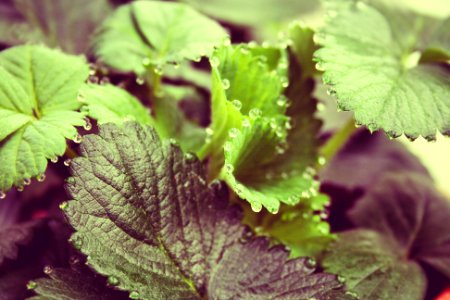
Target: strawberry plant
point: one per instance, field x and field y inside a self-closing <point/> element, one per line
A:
<point x="186" y="150"/>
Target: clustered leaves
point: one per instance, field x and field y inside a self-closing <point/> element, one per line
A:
<point x="208" y="174"/>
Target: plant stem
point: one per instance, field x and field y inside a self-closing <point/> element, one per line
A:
<point x="70" y="153"/>
<point x="335" y="143"/>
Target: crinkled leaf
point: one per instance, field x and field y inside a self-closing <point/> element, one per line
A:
<point x="146" y="218"/>
<point x="407" y="209"/>
<point x="365" y="158"/>
<point x="373" y="70"/>
<point x="146" y="33"/>
<point x="57" y="23"/>
<point x="38" y="99"/>
<point x="108" y="103"/>
<point x="70" y="284"/>
<point x="374" y="268"/>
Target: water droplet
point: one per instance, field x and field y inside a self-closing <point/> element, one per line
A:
<point x="341" y="279"/>
<point x="233" y="133"/>
<point x="20" y="188"/>
<point x="87" y="124"/>
<point x="246" y="123"/>
<point x="352" y="294"/>
<point x="279" y="133"/>
<point x="54" y="159"/>
<point x="274" y="209"/>
<point x="134" y="295"/>
<point x="2" y="195"/>
<point x="48" y="270"/>
<point x="158" y="70"/>
<point x="40" y="178"/>
<point x="310" y="263"/>
<point x="214" y="61"/>
<point x="321" y="160"/>
<point x="93" y="79"/>
<point x="255" y="113"/>
<point x="27" y="181"/>
<point x="281" y="101"/>
<point x="146" y="62"/>
<point x="190" y="157"/>
<point x="229" y="168"/>
<point x="252" y="44"/>
<point x="31" y="285"/>
<point x="67" y="162"/>
<point x="273" y="123"/>
<point x="284" y="83"/>
<point x="64" y="205"/>
<point x="256" y="207"/>
<point x="320" y="106"/>
<point x="227" y="147"/>
<point x="113" y="280"/>
<point x="225" y="84"/>
<point x="140" y="80"/>
<point x="288" y="124"/>
<point x="324" y="215"/>
<point x="77" y="139"/>
<point x="237" y="104"/>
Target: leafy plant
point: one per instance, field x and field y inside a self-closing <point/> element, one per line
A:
<point x="211" y="171"/>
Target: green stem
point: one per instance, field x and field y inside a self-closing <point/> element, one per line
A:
<point x="335" y="143"/>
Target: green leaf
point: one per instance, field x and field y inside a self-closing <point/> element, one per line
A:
<point x="38" y="99"/>
<point x="371" y="59"/>
<point x="108" y="103"/>
<point x="151" y="33"/>
<point x="374" y="268"/>
<point x="171" y="121"/>
<point x="57" y="23"/>
<point x="302" y="228"/>
<point x="146" y="218"/>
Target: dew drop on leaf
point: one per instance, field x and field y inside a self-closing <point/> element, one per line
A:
<point x="87" y="124"/>
<point x="311" y="263"/>
<point x="31" y="285"/>
<point x="245" y="123"/>
<point x="27" y="181"/>
<point x="225" y="84"/>
<point x="67" y="162"/>
<point x="237" y="104"/>
<point x="48" y="270"/>
<point x="134" y="295"/>
<point x="341" y="279"/>
<point x="146" y="62"/>
<point x="54" y="159"/>
<point x="214" y="61"/>
<point x="113" y="280"/>
<point x="20" y="188"/>
<point x="2" y="195"/>
<point x="190" y="157"/>
<point x="40" y="178"/>
<point x="321" y="160"/>
<point x="63" y="205"/>
<point x="256" y="207"/>
<point x="229" y="168"/>
<point x="158" y="70"/>
<point x="77" y="139"/>
<point x="255" y="113"/>
<point x="140" y="80"/>
<point x="233" y="133"/>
